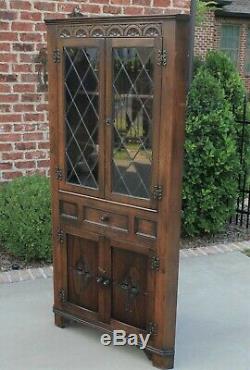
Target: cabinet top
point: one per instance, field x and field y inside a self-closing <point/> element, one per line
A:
<point x="117" y="19"/>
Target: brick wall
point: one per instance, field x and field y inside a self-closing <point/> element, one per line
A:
<point x="23" y="101"/>
<point x="204" y="35"/>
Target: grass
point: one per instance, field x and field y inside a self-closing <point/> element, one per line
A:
<point x="247" y="252"/>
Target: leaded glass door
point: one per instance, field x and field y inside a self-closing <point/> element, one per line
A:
<point x="133" y="90"/>
<point x="81" y="107"/>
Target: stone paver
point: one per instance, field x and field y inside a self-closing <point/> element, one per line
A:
<point x="47" y="272"/>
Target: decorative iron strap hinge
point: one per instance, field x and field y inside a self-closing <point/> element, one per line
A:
<point x="152" y="328"/>
<point x="157" y="192"/>
<point x="56" y="56"/>
<point x="62" y="295"/>
<point x="59" y="174"/>
<point x="155" y="263"/>
<point x="162" y="57"/>
<point x="60" y="236"/>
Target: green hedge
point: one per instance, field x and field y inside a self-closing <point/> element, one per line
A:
<point x="25" y="218"/>
<point x="212" y="162"/>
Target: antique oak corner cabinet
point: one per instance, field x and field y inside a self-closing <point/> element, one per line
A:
<point x="117" y="89"/>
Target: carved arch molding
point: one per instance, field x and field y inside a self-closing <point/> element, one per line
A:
<point x="107" y="30"/>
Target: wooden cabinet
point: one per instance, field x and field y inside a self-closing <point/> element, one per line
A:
<point x="116" y="99"/>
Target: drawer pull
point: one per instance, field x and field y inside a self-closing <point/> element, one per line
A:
<point x="105" y="218"/>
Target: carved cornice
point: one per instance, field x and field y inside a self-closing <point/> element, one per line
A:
<point x="107" y="30"/>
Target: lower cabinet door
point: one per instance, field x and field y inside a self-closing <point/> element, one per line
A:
<point x="82" y="268"/>
<point x="132" y="293"/>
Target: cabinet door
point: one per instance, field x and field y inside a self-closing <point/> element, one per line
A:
<point x="81" y="113"/>
<point x="133" y="92"/>
<point x="133" y="287"/>
<point x="85" y="276"/>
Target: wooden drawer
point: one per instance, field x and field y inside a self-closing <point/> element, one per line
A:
<point x="107" y="219"/>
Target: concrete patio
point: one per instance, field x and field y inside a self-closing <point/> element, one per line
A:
<point x="213" y="325"/>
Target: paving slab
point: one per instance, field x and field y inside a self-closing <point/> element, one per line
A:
<point x="213" y="324"/>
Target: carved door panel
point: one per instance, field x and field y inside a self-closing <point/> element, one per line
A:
<point x="132" y="293"/>
<point x="85" y="275"/>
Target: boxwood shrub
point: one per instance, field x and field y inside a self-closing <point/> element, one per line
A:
<point x="212" y="163"/>
<point x="25" y="218"/>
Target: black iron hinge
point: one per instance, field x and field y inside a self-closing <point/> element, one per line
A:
<point x="155" y="263"/>
<point x="152" y="328"/>
<point x="60" y="236"/>
<point x="62" y="295"/>
<point x="157" y="192"/>
<point x="59" y="174"/>
<point x="162" y="57"/>
<point x="56" y="56"/>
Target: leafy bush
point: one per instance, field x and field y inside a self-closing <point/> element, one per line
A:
<point x="212" y="162"/>
<point x="25" y="218"/>
<point x="220" y="66"/>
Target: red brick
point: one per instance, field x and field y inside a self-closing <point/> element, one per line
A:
<point x="88" y="8"/>
<point x="133" y="10"/>
<point x="25" y="146"/>
<point x="4" y="68"/>
<point x="8" y="36"/>
<point x="8" y="58"/>
<point x="112" y="9"/>
<point x="41" y="27"/>
<point x="10" y="117"/>
<point x="31" y="16"/>
<point x="4" y="26"/>
<point x="181" y="4"/>
<point x="26" y="164"/>
<point x="8" y="98"/>
<point x="120" y="2"/>
<point x="24" y="88"/>
<point x="30" y="37"/>
<point x="35" y="155"/>
<point x="43" y="163"/>
<point x="5" y="147"/>
<point x="30" y="98"/>
<point x="10" y="137"/>
<point x="28" y="77"/>
<point x="26" y="58"/>
<point x="41" y="107"/>
<point x="3" y="4"/>
<point x="22" y="26"/>
<point x="8" y="15"/>
<point x="141" y="2"/>
<point x="11" y="175"/>
<point x="43" y="145"/>
<point x="4" y="47"/>
<point x="33" y="136"/>
<point x="5" y="108"/>
<point x="49" y="7"/>
<point x="163" y="3"/>
<point x="5" y="128"/>
<point x="23" y="108"/>
<point x="8" y="78"/>
<point x="6" y="166"/>
<point x="4" y="88"/>
<point x="22" y="68"/>
<point x="12" y="156"/>
<point x="23" y="47"/>
<point x="20" y="4"/>
<point x="34" y="117"/>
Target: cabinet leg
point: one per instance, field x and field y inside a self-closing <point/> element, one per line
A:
<point x="162" y="362"/>
<point x="59" y="321"/>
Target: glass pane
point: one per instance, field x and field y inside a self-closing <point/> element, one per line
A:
<point x="229" y="43"/>
<point x="132" y="114"/>
<point x="81" y="115"/>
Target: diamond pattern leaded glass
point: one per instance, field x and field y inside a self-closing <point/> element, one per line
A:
<point x="81" y="115"/>
<point x="132" y="109"/>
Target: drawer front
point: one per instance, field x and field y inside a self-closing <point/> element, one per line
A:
<point x="106" y="219"/>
